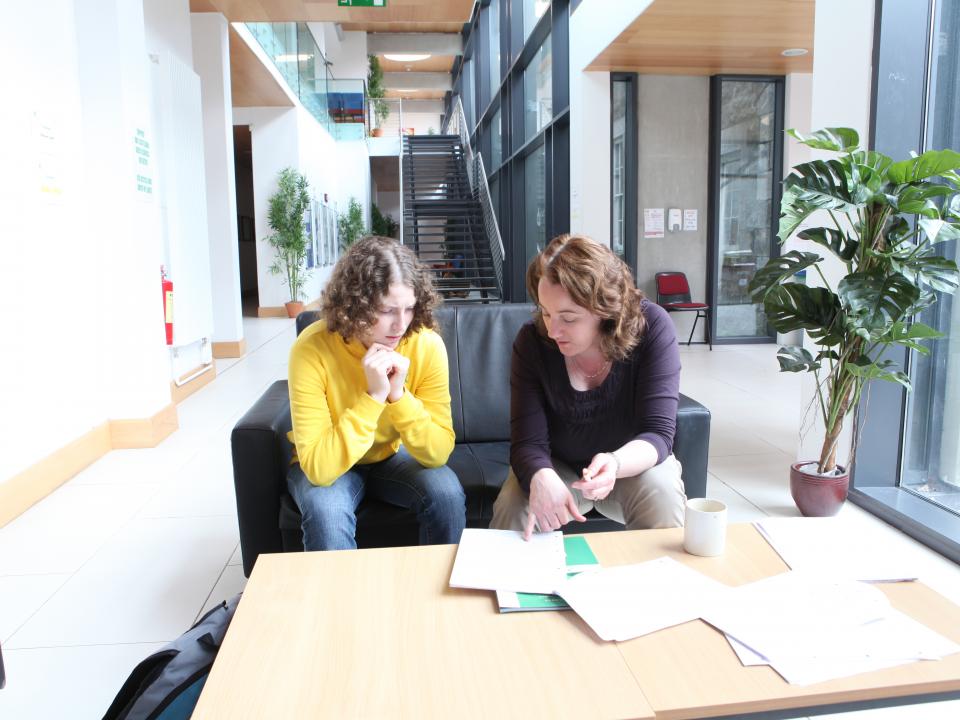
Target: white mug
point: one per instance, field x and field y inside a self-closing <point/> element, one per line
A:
<point x="705" y="527"/>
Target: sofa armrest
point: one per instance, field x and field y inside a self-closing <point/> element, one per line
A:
<point x="691" y="445"/>
<point x="260" y="458"/>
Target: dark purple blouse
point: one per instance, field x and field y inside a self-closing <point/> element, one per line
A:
<point x="637" y="400"/>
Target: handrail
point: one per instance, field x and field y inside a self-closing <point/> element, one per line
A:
<point x="477" y="175"/>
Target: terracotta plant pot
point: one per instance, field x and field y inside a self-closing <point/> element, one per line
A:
<point x="377" y="132"/>
<point x="817" y="495"/>
<point x="294" y="308"/>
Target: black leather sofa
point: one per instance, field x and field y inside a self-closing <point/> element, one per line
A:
<point x="479" y="339"/>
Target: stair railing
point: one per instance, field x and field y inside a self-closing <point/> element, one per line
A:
<point x="456" y="124"/>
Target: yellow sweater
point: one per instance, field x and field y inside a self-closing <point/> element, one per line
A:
<point x="336" y="424"/>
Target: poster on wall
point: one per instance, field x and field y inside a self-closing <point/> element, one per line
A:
<point x="143" y="164"/>
<point x="308" y="228"/>
<point x="653" y="222"/>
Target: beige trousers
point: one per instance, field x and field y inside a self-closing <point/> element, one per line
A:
<point x="654" y="499"/>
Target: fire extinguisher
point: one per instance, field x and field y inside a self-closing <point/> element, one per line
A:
<point x="167" y="285"/>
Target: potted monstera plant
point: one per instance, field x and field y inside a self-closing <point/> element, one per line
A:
<point x="289" y="239"/>
<point x="882" y="224"/>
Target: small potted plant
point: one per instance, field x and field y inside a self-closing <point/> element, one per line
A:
<point x="883" y="222"/>
<point x="383" y="225"/>
<point x="350" y="224"/>
<point x="376" y="91"/>
<point x="289" y="241"/>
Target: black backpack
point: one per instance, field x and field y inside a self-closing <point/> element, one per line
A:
<point x="167" y="685"/>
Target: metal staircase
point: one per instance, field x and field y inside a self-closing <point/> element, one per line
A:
<point x="447" y="219"/>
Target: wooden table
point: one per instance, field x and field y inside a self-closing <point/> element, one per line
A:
<point x="377" y="633"/>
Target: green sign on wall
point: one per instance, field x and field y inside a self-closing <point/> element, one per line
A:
<point x="362" y="3"/>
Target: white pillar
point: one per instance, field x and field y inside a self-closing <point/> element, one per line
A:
<point x="211" y="61"/>
<point x="115" y="91"/>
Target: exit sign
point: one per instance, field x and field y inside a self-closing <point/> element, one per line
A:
<point x="362" y="3"/>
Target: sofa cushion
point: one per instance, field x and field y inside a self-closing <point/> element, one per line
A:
<point x="485" y="335"/>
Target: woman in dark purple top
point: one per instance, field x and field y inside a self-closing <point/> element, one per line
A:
<point x="594" y="390"/>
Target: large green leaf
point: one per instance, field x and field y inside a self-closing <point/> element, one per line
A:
<point x="840" y="244"/>
<point x="794" y="358"/>
<point x="874" y="302"/>
<point x="937" y="272"/>
<point x="824" y="184"/>
<point x="881" y="370"/>
<point x="910" y="335"/>
<point x="779" y="269"/>
<point x="793" y="306"/>
<point x="930" y="164"/>
<point x="793" y="212"/>
<point x="939" y="230"/>
<point x="915" y="199"/>
<point x="837" y="139"/>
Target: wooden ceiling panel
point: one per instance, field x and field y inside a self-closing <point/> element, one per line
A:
<point x="452" y="14"/>
<point x="436" y="63"/>
<point x="706" y="37"/>
<point x="251" y="83"/>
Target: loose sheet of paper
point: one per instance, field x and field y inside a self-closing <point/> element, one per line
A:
<point x="840" y="547"/>
<point x="503" y="560"/>
<point x="811" y="628"/>
<point x="627" y="601"/>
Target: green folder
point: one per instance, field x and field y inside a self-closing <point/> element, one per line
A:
<point x="579" y="558"/>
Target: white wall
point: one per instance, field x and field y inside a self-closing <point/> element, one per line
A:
<point x="82" y="337"/>
<point x="593" y="26"/>
<point x="843" y="38"/>
<point x="283" y="137"/>
<point x="212" y="62"/>
<point x="349" y="55"/>
<point x="167" y="25"/>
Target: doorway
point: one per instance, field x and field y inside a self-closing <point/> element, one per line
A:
<point x="246" y="227"/>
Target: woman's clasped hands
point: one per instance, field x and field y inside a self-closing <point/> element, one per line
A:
<point x="386" y="371"/>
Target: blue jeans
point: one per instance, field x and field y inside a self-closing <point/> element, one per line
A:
<point x="330" y="513"/>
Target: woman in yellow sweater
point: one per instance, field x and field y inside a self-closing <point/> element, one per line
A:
<point x="370" y="402"/>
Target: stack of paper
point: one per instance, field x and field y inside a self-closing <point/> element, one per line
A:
<point x="624" y="602"/>
<point x="503" y="560"/>
<point x="840" y="547"/>
<point x="811" y="628"/>
<point x="580" y="558"/>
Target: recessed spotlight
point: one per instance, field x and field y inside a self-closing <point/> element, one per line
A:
<point x="405" y="57"/>
<point x="794" y="52"/>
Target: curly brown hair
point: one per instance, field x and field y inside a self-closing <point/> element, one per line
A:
<point x="362" y="277"/>
<point x="598" y="281"/>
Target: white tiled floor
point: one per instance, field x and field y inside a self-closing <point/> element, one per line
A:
<point x="125" y="556"/>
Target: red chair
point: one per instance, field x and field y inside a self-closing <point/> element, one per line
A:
<point x="673" y="295"/>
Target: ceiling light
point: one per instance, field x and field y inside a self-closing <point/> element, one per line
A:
<point x="794" y="52"/>
<point x="405" y="57"/>
<point x="293" y="58"/>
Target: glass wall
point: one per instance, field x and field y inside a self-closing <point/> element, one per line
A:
<point x="538" y="91"/>
<point x="338" y="105"/>
<point x="533" y="10"/>
<point x="747" y="137"/>
<point x="534" y="202"/>
<point x="514" y="88"/>
<point x="493" y="33"/>
<point x="618" y="120"/>
<point x="496" y="142"/>
<point x="931" y="458"/>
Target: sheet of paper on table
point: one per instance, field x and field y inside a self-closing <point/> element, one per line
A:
<point x="579" y="558"/>
<point x="503" y="560"/>
<point x="811" y="629"/>
<point x="627" y="601"/>
<point x="841" y="547"/>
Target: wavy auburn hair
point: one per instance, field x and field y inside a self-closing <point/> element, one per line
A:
<point x="596" y="280"/>
<point x="363" y="276"/>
